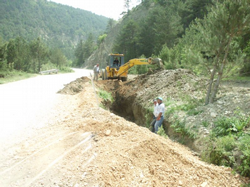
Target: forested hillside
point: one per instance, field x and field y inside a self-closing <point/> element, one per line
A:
<point x="184" y="33"/>
<point x="59" y="26"/>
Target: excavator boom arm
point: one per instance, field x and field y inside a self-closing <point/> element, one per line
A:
<point x="132" y="63"/>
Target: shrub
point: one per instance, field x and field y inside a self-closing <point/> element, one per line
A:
<point x="205" y="123"/>
<point x="228" y="136"/>
<point x="106" y="96"/>
<point x="66" y="69"/>
<point x="244" y="146"/>
<point x="48" y="66"/>
<point x="225" y="126"/>
<point x="180" y="128"/>
<point x="220" y="151"/>
<point x="142" y="69"/>
<point x="132" y="70"/>
<point x="162" y="132"/>
<point x="194" y="112"/>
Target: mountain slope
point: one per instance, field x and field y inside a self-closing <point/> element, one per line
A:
<point x="59" y="25"/>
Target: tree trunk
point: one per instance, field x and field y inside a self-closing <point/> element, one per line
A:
<point x="211" y="83"/>
<point x="216" y="86"/>
<point x="216" y="65"/>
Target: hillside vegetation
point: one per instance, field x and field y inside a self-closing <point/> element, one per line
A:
<point x="41" y="35"/>
<point x="59" y="26"/>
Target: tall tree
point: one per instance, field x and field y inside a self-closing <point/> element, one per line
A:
<point x="89" y="46"/>
<point x="79" y="54"/>
<point x="17" y="53"/>
<point x="213" y="36"/>
<point x="168" y="26"/>
<point x="58" y="58"/>
<point x="194" y="9"/>
<point x="147" y="33"/>
<point x="39" y="53"/>
<point x="84" y="50"/>
<point x="110" y="25"/>
<point x="127" y="4"/>
<point x="3" y="63"/>
<point x="234" y="18"/>
<point x="126" y="42"/>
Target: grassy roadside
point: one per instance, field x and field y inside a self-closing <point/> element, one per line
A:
<point x="238" y="78"/>
<point x="12" y="76"/>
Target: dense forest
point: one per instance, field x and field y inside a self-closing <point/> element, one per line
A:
<point x="163" y="27"/>
<point x="57" y="27"/>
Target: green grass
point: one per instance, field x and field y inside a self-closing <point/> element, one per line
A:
<point x="180" y="128"/>
<point x="12" y="76"/>
<point x="234" y="125"/>
<point x="162" y="132"/>
<point x="106" y="96"/>
<point x="230" y="136"/>
<point x="66" y="70"/>
<point x="237" y="78"/>
<point x="205" y="123"/>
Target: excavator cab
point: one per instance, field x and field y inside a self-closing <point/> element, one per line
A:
<point x="116" y="60"/>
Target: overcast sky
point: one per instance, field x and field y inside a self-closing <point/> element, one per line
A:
<point x="107" y="8"/>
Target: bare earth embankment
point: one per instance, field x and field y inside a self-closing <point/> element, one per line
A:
<point x="88" y="146"/>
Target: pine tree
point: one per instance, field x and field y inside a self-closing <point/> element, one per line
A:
<point x="126" y="42"/>
<point x="39" y="53"/>
<point x="213" y="37"/>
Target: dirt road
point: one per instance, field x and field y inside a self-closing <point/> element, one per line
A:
<point x="80" y="144"/>
<point x="25" y="103"/>
<point x="28" y="108"/>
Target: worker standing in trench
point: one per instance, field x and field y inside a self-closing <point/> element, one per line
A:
<point x="152" y="124"/>
<point x="160" y="109"/>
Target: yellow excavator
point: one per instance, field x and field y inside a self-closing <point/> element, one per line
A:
<point x="117" y="69"/>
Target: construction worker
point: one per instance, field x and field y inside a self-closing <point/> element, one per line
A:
<point x="160" y="109"/>
<point x="116" y="62"/>
<point x="96" y="72"/>
<point x="154" y="114"/>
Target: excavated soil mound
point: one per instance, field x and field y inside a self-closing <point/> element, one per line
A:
<point x="129" y="155"/>
<point x="137" y="94"/>
<point x="74" y="87"/>
<point x="178" y="87"/>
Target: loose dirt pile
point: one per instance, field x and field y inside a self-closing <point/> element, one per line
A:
<point x="128" y="155"/>
<point x="74" y="87"/>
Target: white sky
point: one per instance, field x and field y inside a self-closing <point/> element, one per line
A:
<point x="107" y="8"/>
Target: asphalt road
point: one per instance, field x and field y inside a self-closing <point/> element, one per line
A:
<point x="23" y="104"/>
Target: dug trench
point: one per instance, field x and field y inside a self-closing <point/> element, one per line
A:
<point x="183" y="93"/>
<point x="133" y="100"/>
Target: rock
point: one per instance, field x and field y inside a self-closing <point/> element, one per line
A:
<point x="204" y="184"/>
<point x="213" y="114"/>
<point x="108" y="132"/>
